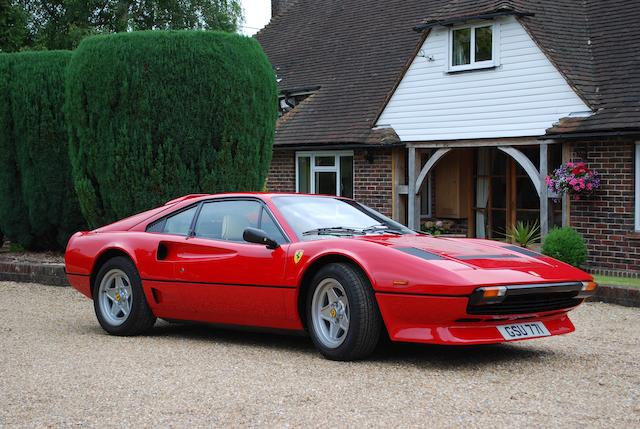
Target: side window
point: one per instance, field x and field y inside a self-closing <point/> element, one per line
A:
<point x="227" y="220"/>
<point x="268" y="225"/>
<point x="178" y="224"/>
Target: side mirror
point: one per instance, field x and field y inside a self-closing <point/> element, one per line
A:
<point x="258" y="236"/>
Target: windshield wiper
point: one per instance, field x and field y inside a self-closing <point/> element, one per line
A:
<point x="334" y="230"/>
<point x="343" y="230"/>
<point x="381" y="228"/>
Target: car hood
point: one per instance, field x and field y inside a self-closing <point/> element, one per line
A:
<point x="473" y="253"/>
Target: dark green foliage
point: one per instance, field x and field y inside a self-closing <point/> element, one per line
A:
<point x="566" y="245"/>
<point x="13" y="221"/>
<point x="62" y="24"/>
<point x="13" y="26"/>
<point x="37" y="99"/>
<point x="155" y="115"/>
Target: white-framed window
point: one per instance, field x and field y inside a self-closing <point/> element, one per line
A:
<point x="325" y="172"/>
<point x="474" y="46"/>
<point x="637" y="187"/>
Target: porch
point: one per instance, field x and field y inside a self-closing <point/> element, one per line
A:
<point x="481" y="187"/>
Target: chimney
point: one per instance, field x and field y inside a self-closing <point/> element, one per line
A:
<point x="279" y="6"/>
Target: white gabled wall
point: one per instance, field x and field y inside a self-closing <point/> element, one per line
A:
<point x="523" y="96"/>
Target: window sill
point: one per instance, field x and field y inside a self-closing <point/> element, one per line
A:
<point x="469" y="70"/>
<point x="634" y="235"/>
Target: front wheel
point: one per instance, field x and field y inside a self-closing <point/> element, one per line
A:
<point x="342" y="314"/>
<point x="119" y="301"/>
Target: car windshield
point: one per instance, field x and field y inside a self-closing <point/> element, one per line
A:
<point x="312" y="217"/>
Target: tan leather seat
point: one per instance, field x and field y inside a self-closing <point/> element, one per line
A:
<point x="233" y="227"/>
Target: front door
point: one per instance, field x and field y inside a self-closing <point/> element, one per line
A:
<point x="505" y="194"/>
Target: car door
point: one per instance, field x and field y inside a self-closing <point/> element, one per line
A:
<point x="158" y="272"/>
<point x="228" y="280"/>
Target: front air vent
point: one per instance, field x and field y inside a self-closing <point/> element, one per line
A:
<point x="526" y="299"/>
<point x="422" y="254"/>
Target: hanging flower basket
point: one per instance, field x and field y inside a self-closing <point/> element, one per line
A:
<point x="574" y="179"/>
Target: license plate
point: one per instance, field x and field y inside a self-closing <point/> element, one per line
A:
<point x="524" y="330"/>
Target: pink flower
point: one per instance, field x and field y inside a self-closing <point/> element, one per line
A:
<point x="576" y="188"/>
<point x="589" y="186"/>
<point x="573" y="182"/>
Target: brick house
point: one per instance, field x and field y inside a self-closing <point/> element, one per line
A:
<point x="457" y="110"/>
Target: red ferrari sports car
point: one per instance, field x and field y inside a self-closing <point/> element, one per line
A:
<point x="322" y="264"/>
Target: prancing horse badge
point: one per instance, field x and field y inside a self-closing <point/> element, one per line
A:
<point x="297" y="256"/>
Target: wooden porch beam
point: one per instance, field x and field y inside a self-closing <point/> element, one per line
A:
<point x="411" y="215"/>
<point x="544" y="199"/>
<point x="526" y="164"/>
<point x="428" y="166"/>
<point x="527" y="141"/>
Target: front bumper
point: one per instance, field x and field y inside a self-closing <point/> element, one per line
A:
<point x="444" y="320"/>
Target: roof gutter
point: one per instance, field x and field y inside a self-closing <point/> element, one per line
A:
<point x="299" y="91"/>
<point x="593" y="134"/>
<point x="334" y="146"/>
<point x="451" y="21"/>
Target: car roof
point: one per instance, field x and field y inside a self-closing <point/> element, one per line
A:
<point x="262" y="195"/>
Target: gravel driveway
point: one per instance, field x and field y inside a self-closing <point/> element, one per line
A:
<point x="58" y="368"/>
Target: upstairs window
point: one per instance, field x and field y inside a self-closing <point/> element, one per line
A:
<point x="472" y="47"/>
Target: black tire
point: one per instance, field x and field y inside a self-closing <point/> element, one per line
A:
<point x="365" y="322"/>
<point x="140" y="318"/>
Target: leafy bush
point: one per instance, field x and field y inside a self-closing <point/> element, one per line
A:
<point x="566" y="245"/>
<point x="155" y="115"/>
<point x="13" y="221"/>
<point x="42" y="156"/>
<point x="524" y="234"/>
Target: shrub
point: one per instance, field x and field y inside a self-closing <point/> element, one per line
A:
<point x="42" y="156"/>
<point x="566" y="245"/>
<point x="13" y="222"/>
<point x="155" y="115"/>
<point x="524" y="234"/>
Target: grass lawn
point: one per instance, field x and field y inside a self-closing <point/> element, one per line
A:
<point x="617" y="281"/>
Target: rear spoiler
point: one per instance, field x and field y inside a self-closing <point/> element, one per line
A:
<point x="186" y="197"/>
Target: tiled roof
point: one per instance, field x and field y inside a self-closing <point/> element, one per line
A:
<point x="614" y="37"/>
<point x="356" y="51"/>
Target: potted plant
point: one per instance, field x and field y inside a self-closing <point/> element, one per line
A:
<point x="437" y="227"/>
<point x="573" y="178"/>
<point x="524" y="234"/>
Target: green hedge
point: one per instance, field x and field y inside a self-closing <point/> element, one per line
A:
<point x="37" y="100"/>
<point x="566" y="245"/>
<point x="155" y="115"/>
<point x="13" y="221"/>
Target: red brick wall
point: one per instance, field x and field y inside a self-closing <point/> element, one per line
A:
<point x="606" y="219"/>
<point x="282" y="174"/>
<point x="372" y="177"/>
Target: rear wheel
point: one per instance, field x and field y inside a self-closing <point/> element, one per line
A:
<point x="342" y="314"/>
<point x="118" y="299"/>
